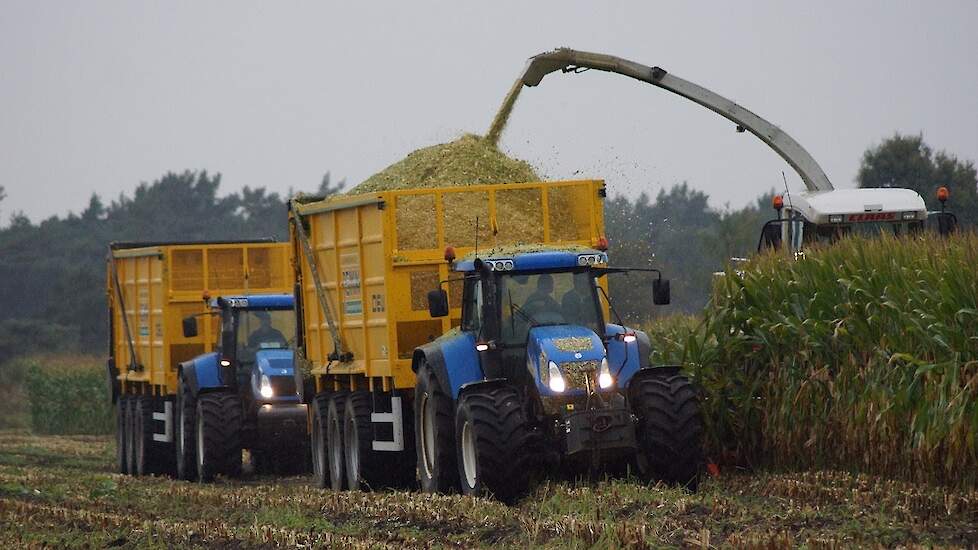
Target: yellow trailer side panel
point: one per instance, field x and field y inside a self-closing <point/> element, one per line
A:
<point x="378" y="255"/>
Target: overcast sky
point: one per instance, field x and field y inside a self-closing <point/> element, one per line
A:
<point x="99" y="96"/>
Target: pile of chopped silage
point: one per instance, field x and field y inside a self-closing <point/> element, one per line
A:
<point x="469" y="160"/>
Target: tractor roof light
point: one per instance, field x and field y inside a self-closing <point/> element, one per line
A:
<point x="777" y="202"/>
<point x="909" y="215"/>
<point x="943" y="194"/>
<point x="835" y="218"/>
<point x="481" y="346"/>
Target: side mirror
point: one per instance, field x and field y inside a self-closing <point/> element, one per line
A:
<point x="660" y="292"/>
<point x="438" y="303"/>
<point x="947" y="223"/>
<point x="189" y="327"/>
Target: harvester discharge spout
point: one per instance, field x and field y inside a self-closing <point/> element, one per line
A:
<point x="573" y="61"/>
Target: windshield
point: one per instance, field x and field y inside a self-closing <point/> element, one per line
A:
<point x="831" y="233"/>
<point x="260" y="329"/>
<point x="546" y="299"/>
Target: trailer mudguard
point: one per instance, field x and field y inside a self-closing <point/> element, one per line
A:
<point x="453" y="359"/>
<point x="203" y="373"/>
<point x="626" y="358"/>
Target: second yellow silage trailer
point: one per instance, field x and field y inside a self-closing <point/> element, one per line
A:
<point x="363" y="268"/>
<point x="151" y="289"/>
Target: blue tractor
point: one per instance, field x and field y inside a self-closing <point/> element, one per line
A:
<point x="535" y="379"/>
<point x="244" y="395"/>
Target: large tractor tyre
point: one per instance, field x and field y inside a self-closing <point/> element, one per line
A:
<point x="335" y="457"/>
<point x="185" y="436"/>
<point x="434" y="429"/>
<point x="494" y="444"/>
<point x="147" y="457"/>
<point x="317" y="442"/>
<point x="131" y="435"/>
<point x="121" y="422"/>
<point x="670" y="429"/>
<point x="218" y="435"/>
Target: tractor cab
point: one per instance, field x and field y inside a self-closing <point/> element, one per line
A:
<point x="823" y="217"/>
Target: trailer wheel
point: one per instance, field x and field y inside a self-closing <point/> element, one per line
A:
<point x="493" y="444"/>
<point x="317" y="441"/>
<point x="184" y="435"/>
<point x="131" y="435"/>
<point x="670" y="430"/>
<point x="146" y="456"/>
<point x="218" y="435"/>
<point x="434" y="434"/>
<point x="335" y="458"/>
<point x="121" y="421"/>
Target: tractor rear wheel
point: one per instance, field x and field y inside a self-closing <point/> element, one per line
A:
<point x="121" y="422"/>
<point x="670" y="430"/>
<point x="218" y="435"/>
<point x="185" y="437"/>
<point x="335" y="459"/>
<point x="434" y="434"/>
<point x="493" y="443"/>
<point x="317" y="441"/>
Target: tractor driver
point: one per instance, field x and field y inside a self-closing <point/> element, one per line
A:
<point x="542" y="300"/>
<point x="575" y="301"/>
<point x="265" y="333"/>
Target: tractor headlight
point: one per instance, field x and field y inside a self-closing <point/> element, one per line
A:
<point x="556" y="382"/>
<point x="605" y="380"/>
<point x="266" y="387"/>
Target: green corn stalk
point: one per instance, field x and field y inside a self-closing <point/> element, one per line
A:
<point x="862" y="355"/>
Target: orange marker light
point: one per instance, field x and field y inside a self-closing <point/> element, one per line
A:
<point x="942" y="193"/>
<point x="777" y="202"/>
<point x="449" y="254"/>
<point x="602" y="243"/>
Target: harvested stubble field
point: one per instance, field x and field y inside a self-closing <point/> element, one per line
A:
<point x="61" y="491"/>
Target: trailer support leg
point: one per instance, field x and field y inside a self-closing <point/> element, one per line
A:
<point x="167" y="418"/>
<point x="396" y="419"/>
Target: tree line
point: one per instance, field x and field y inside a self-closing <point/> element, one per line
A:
<point x="52" y="273"/>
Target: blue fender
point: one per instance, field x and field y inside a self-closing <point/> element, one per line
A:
<point x="453" y="359"/>
<point x="626" y="359"/>
<point x="203" y="373"/>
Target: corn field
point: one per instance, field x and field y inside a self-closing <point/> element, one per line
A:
<point x="861" y="356"/>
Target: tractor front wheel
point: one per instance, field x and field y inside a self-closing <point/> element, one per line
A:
<point x="218" y="435"/>
<point x="493" y="444"/>
<point x="670" y="430"/>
